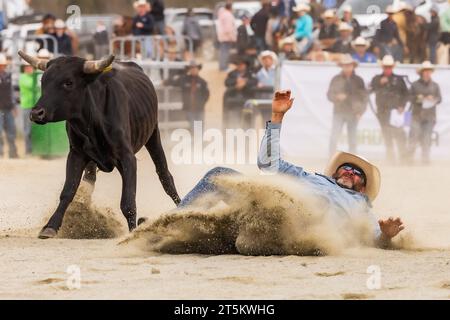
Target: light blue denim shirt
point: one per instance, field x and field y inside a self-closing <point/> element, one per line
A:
<point x="343" y="204"/>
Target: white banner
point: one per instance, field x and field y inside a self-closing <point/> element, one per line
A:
<point x="307" y="126"/>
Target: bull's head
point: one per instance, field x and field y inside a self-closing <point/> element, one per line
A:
<point x="63" y="85"/>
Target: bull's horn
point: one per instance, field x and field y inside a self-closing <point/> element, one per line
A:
<point x="40" y="64"/>
<point x="97" y="66"/>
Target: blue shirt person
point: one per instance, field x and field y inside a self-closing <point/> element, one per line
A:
<point x="360" y="54"/>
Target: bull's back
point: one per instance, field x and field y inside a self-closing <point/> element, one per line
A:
<point x="142" y="102"/>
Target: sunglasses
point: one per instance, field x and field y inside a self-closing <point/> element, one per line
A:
<point x="356" y="171"/>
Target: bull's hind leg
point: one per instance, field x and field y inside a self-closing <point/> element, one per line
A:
<point x="87" y="185"/>
<point x="76" y="163"/>
<point x="156" y="151"/>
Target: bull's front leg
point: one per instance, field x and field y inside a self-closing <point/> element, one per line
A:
<point x="127" y="168"/>
<point x="76" y="163"/>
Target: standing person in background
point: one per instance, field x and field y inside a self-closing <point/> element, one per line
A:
<point x="344" y="43"/>
<point x="285" y="8"/>
<point x="348" y="94"/>
<point x="143" y="25"/>
<point x="101" y="40"/>
<point x="360" y="54"/>
<point x="391" y="93"/>
<point x="7" y="109"/>
<point x="48" y="28"/>
<point x="329" y="30"/>
<point x="191" y="29"/>
<point x="29" y="91"/>
<point x="317" y="10"/>
<point x="273" y="30"/>
<point x="259" y="25"/>
<point x="63" y="40"/>
<point x="433" y="33"/>
<point x="388" y="38"/>
<point x="245" y="35"/>
<point x="303" y="29"/>
<point x="226" y="34"/>
<point x="349" y="19"/>
<point x="158" y="16"/>
<point x="425" y="96"/>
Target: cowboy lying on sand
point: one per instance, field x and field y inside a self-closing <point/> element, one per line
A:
<point x="349" y="185"/>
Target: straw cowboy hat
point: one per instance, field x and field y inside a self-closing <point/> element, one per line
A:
<point x="360" y="42"/>
<point x="60" y="24"/>
<point x="390" y="9"/>
<point x="302" y="7"/>
<point x="3" y="60"/>
<point x="287" y="40"/>
<point x="426" y="65"/>
<point x="343" y="26"/>
<point x="373" y="176"/>
<point x="388" y="61"/>
<point x="347" y="59"/>
<point x="44" y="54"/>
<point x="140" y="3"/>
<point x="268" y="53"/>
<point x="348" y="9"/>
<point x="328" y="14"/>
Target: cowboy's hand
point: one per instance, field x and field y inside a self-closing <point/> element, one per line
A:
<point x="281" y="103"/>
<point x="391" y="227"/>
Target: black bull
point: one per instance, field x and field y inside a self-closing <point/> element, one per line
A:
<point x="111" y="114"/>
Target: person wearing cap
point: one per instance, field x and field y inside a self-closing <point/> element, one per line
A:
<point x="195" y="92"/>
<point x="388" y="38"/>
<point x="348" y="18"/>
<point x="303" y="28"/>
<point x="240" y="84"/>
<point x="62" y="38"/>
<point x="348" y="187"/>
<point x="245" y="35"/>
<point x="7" y="109"/>
<point x="266" y="75"/>
<point x="328" y="30"/>
<point x="360" y="53"/>
<point x="348" y="94"/>
<point x="391" y="93"/>
<point x="344" y="43"/>
<point x="425" y="95"/>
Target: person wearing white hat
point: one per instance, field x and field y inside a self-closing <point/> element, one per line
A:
<point x="328" y="33"/>
<point x="391" y="94"/>
<point x="287" y="49"/>
<point x="360" y="53"/>
<point x="7" y="109"/>
<point x="388" y="38"/>
<point x="348" y="94"/>
<point x="143" y="25"/>
<point x="425" y="97"/>
<point x="267" y="74"/>
<point x="303" y="28"/>
<point x="344" y="43"/>
<point x="63" y="39"/>
<point x="347" y="17"/>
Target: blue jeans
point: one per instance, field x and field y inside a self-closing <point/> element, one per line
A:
<point x="339" y="120"/>
<point x="8" y="125"/>
<point x="206" y="185"/>
<point x="421" y="133"/>
<point x="224" y="55"/>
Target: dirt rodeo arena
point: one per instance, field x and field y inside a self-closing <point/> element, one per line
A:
<point x="274" y="232"/>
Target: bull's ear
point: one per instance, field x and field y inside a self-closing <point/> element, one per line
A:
<point x="97" y="66"/>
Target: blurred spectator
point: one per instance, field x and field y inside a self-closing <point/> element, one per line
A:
<point x="445" y="26"/>
<point x="259" y="25"/>
<point x="245" y="35"/>
<point x="303" y="28"/>
<point x="251" y="56"/>
<point x="195" y="92"/>
<point x="267" y="74"/>
<point x="344" y="43"/>
<point x="7" y="109"/>
<point x="433" y="33"/>
<point x="317" y="54"/>
<point x="274" y="29"/>
<point x="47" y="28"/>
<point x="226" y="34"/>
<point x="101" y="40"/>
<point x="172" y="55"/>
<point x="157" y="11"/>
<point x="348" y="18"/>
<point x="285" y="8"/>
<point x="287" y="49"/>
<point x="388" y="39"/>
<point x="143" y="21"/>
<point x="240" y="84"/>
<point x="416" y="35"/>
<point x="317" y="10"/>
<point x="391" y="93"/>
<point x="29" y="92"/>
<point x="360" y="54"/>
<point x="63" y="40"/>
<point x="400" y="16"/>
<point x="328" y="31"/>
<point x="425" y="96"/>
<point x="191" y="29"/>
<point x="329" y="4"/>
<point x="348" y="93"/>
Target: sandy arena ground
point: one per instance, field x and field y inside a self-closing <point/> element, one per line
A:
<point x="36" y="269"/>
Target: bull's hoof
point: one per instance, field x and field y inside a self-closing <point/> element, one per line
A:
<point x="142" y="220"/>
<point x="47" y="233"/>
